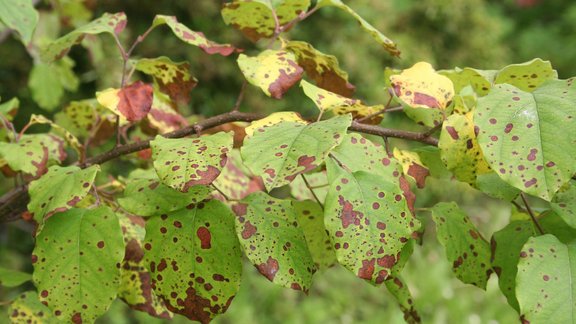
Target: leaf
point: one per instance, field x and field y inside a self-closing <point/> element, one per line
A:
<point x="318" y="180"/>
<point x="191" y="37"/>
<point x="480" y="80"/>
<point x="527" y="137"/>
<point x="73" y="185"/>
<point x="552" y="223"/>
<point x="254" y="19"/>
<point x="185" y="162"/>
<point x="132" y="102"/>
<point x="564" y="204"/>
<point x="12" y="278"/>
<point x="465" y="247"/>
<point x="279" y="150"/>
<point x="506" y="245"/>
<point x="33" y="154"/>
<point x="19" y="16"/>
<point x="147" y="197"/>
<point x="288" y="10"/>
<point x="163" y="117"/>
<point x="368" y="220"/>
<point x="48" y="82"/>
<point x="310" y="217"/>
<point x="69" y="137"/>
<point x="8" y="109"/>
<point x="527" y="76"/>
<point x="545" y="281"/>
<point x="339" y="105"/>
<point x="273" y="240"/>
<point x="322" y="68"/>
<point x="384" y="41"/>
<point x="27" y="308"/>
<point x="412" y="166"/>
<point x="401" y="293"/>
<point x="109" y="23"/>
<point x="195" y="259"/>
<point x="135" y="281"/>
<point x="273" y="71"/>
<point x="425" y="93"/>
<point x="76" y="262"/>
<point x="234" y="180"/>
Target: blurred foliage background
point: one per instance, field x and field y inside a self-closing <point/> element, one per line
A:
<point x="485" y="34"/>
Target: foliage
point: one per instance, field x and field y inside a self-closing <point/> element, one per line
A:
<point x="131" y="197"/>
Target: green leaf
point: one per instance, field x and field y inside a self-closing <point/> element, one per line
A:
<point x="9" y="109"/>
<point x="288" y="10"/>
<point x="73" y="185"/>
<point x="368" y="220"/>
<point x="191" y="37"/>
<point x="527" y="76"/>
<point x="48" y="82"/>
<point x="465" y="247"/>
<point x="254" y="19"/>
<point x="552" y="223"/>
<point x="528" y="137"/>
<point x="506" y="245"/>
<point x="545" y="283"/>
<point x="20" y="16"/>
<point x="480" y="80"/>
<point x="12" y="278"/>
<point x="273" y="240"/>
<point x="317" y="180"/>
<point x="147" y="197"/>
<point x="279" y="150"/>
<point x="322" y="68"/>
<point x="234" y="180"/>
<point x="61" y="131"/>
<point x="384" y="41"/>
<point x="27" y="308"/>
<point x="310" y="217"/>
<point x="109" y="23"/>
<point x="273" y="71"/>
<point x="76" y="262"/>
<point x="398" y="288"/>
<point x="564" y="204"/>
<point x="82" y="117"/>
<point x="195" y="259"/>
<point x="185" y="162"/>
<point x="33" y="154"/>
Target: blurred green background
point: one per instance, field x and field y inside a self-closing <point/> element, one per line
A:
<point x="447" y="33"/>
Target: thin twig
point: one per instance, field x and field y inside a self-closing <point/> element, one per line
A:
<point x="220" y="191"/>
<point x="531" y="213"/>
<point x="381" y="111"/>
<point x="311" y="190"/>
<point x="240" y="96"/>
<point x="432" y="130"/>
<point x="387" y="146"/>
<point x="518" y="207"/>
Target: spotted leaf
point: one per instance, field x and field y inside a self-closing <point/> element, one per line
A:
<point x="398" y="288"/>
<point x="480" y="80"/>
<point x="329" y="101"/>
<point x="384" y="41"/>
<point x="528" y="137"/>
<point x="273" y="240"/>
<point x="73" y="185"/>
<point x="425" y="93"/>
<point x="27" y="308"/>
<point x="281" y="151"/>
<point x="564" y="204"/>
<point x="163" y="116"/>
<point x="322" y="68"/>
<point x="185" y="162"/>
<point x="506" y="245"/>
<point x="33" y="154"/>
<point x="412" y="166"/>
<point x="61" y="131"/>
<point x="76" y="262"/>
<point x="368" y="220"/>
<point x="19" y="16"/>
<point x="13" y="278"/>
<point x="465" y="247"/>
<point x="191" y="37"/>
<point x="273" y="71"/>
<point x="132" y="102"/>
<point x="83" y="117"/>
<point x="527" y="76"/>
<point x="235" y="181"/>
<point x="109" y="23"/>
<point x="310" y="217"/>
<point x="195" y="259"/>
<point x="545" y="282"/>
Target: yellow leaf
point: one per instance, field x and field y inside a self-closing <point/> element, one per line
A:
<point x="274" y="118"/>
<point x="109" y="98"/>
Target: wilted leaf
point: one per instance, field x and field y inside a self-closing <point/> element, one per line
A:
<point x="132" y="102"/>
<point x="19" y="16"/>
<point x="163" y="117"/>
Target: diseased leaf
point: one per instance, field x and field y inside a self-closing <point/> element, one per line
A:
<point x="412" y="166"/>
<point x="465" y="247"/>
<point x="13" y="278"/>
<point x="545" y="282"/>
<point x="384" y="41"/>
<point x="191" y="37"/>
<point x="480" y="80"/>
<point x="273" y="71"/>
<point x="273" y="240"/>
<point x="132" y="102"/>
<point x="322" y="68"/>
<point x="27" y="308"/>
<point x="76" y="262"/>
<point x="195" y="259"/>
<point x="234" y="180"/>
<point x="19" y="16"/>
<point x="109" y="23"/>
<point x="310" y="217"/>
<point x="425" y="93"/>
<point x="83" y="117"/>
<point x="288" y="10"/>
<point x="69" y="137"/>
<point x="33" y="154"/>
<point x="185" y="162"/>
<point x="564" y="203"/>
<point x="368" y="220"/>
<point x="163" y="117"/>
<point x="73" y="185"/>
<point x="279" y="150"/>
<point x="527" y="76"/>
<point x="329" y="101"/>
<point x="401" y="293"/>
<point x="254" y="19"/>
<point x="317" y="180"/>
<point x="506" y="245"/>
<point x="528" y="137"/>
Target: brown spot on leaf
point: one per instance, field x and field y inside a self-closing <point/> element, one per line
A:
<point x="205" y="237"/>
<point x="268" y="269"/>
<point x="248" y="230"/>
<point x="367" y="269"/>
<point x="135" y="100"/>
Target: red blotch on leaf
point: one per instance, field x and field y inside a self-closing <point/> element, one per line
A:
<point x="268" y="269"/>
<point x="205" y="237"/>
<point x="135" y="100"/>
<point x="367" y="269"/>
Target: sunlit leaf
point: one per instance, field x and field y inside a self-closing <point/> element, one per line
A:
<point x="254" y="19"/>
<point x="27" y="308"/>
<point x="480" y="80"/>
<point x="234" y="181"/>
<point x="527" y="76"/>
<point x="82" y="117"/>
<point x="68" y="137"/>
<point x="132" y="102"/>
<point x="19" y="16"/>
<point x="76" y="262"/>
